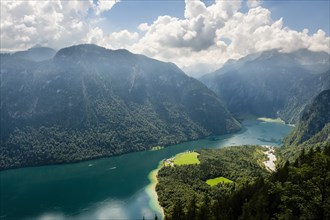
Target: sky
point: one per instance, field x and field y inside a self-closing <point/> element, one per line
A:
<point x="199" y="36"/>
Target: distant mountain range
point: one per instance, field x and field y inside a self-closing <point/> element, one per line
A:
<point x="87" y="102"/>
<point x="271" y="83"/>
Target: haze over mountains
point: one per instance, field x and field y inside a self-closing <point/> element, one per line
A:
<point x="90" y="102"/>
<point x="271" y="83"/>
<point x="86" y="101"/>
<point x="37" y="54"/>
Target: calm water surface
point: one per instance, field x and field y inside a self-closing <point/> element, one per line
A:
<point x="111" y="188"/>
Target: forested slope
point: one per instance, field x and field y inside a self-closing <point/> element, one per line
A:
<point x="312" y="130"/>
<point x="89" y="102"/>
<point x="298" y="190"/>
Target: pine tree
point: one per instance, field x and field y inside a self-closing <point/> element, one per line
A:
<point x="191" y="215"/>
<point x="178" y="213"/>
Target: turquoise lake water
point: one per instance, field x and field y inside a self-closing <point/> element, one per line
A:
<point x="110" y="188"/>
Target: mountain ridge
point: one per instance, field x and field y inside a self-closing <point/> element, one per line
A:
<point x="90" y="102"/>
<point x="271" y="83"/>
<point x="311" y="131"/>
<point x="314" y="118"/>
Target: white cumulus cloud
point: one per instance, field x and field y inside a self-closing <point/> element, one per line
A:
<point x="200" y="42"/>
<point x="104" y="5"/>
<point x="253" y="3"/>
<point x="208" y="36"/>
<point x="55" y="23"/>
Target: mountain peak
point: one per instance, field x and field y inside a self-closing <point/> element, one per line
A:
<point x="36" y="54"/>
<point x="304" y="57"/>
<point x="101" y="102"/>
<point x="89" y="52"/>
<point x="271" y="83"/>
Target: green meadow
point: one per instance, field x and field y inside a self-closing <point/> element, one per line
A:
<point x="215" y="181"/>
<point x="186" y="158"/>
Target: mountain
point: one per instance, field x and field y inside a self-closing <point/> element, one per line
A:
<point x="36" y="54"/>
<point x="312" y="130"/>
<point x="89" y="102"/>
<point x="271" y="83"/>
<point x="314" y="119"/>
<point x="299" y="188"/>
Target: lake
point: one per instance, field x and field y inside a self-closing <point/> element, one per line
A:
<point x="110" y="188"/>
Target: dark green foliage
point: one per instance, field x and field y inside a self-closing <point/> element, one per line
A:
<point x="90" y="102"/>
<point x="304" y="192"/>
<point x="185" y="188"/>
<point x="300" y="190"/>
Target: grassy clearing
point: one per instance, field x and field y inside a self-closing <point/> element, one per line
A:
<point x="215" y="181"/>
<point x="186" y="158"/>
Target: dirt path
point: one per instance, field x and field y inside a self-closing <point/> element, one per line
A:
<point x="270" y="163"/>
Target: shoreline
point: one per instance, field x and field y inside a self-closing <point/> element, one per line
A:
<point x="151" y="191"/>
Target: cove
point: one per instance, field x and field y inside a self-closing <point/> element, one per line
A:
<point x="109" y="188"/>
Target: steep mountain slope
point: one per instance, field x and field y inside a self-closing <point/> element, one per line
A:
<point x="91" y="102"/>
<point x="271" y="83"/>
<point x="312" y="130"/>
<point x="314" y="118"/>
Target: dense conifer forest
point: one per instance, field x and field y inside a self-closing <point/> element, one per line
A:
<point x="297" y="190"/>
